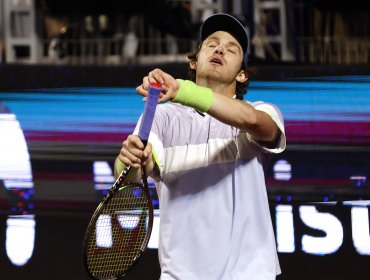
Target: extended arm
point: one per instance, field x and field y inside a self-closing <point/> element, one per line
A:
<point x="243" y="116"/>
<point x="227" y="110"/>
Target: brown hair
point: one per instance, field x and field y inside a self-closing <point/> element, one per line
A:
<point x="241" y="88"/>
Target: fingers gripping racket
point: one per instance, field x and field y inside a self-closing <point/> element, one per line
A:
<point x="120" y="228"/>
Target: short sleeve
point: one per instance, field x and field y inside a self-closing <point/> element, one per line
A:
<point x="276" y="115"/>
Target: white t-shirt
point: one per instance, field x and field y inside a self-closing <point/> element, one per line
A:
<point x="215" y="221"/>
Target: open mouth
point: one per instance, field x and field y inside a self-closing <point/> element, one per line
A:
<point x="216" y="61"/>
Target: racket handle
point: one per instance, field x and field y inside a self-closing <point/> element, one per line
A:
<point x="149" y="111"/>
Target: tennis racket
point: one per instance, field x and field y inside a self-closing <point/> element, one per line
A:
<point x="120" y="228"/>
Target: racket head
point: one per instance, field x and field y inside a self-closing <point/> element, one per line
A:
<point x="118" y="232"/>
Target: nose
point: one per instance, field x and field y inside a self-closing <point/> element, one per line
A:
<point x="219" y="50"/>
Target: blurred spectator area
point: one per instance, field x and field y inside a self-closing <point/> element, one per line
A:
<point x="339" y="32"/>
<point x="151" y="31"/>
<point x="115" y="32"/>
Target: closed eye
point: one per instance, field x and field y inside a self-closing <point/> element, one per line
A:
<point x="212" y="45"/>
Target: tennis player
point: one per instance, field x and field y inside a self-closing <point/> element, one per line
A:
<point x="205" y="151"/>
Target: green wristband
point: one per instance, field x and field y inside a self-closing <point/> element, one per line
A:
<point x="134" y="175"/>
<point x="192" y="95"/>
<point x="119" y="166"/>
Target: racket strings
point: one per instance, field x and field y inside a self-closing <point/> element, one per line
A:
<point x="120" y="232"/>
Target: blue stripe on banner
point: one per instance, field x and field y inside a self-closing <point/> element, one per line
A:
<point x="104" y="109"/>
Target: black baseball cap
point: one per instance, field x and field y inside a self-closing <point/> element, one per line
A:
<point x="229" y="24"/>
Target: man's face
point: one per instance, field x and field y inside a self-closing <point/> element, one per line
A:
<point x="220" y="58"/>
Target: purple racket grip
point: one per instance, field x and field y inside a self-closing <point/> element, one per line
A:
<point x="149" y="111"/>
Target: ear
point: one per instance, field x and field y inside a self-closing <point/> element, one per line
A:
<point x="242" y="76"/>
<point x="193" y="64"/>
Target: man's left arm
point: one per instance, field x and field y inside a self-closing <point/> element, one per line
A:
<point x="228" y="110"/>
<point x="244" y="116"/>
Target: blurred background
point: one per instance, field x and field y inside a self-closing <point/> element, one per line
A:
<point x="68" y="72"/>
